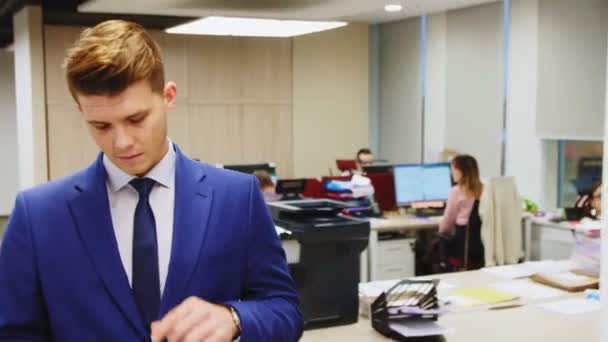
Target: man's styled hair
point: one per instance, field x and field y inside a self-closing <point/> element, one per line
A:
<point x="108" y="58"/>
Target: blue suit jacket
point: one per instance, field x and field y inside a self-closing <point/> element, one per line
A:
<point x="62" y="279"/>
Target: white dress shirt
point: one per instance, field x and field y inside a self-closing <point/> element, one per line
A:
<point x="123" y="200"/>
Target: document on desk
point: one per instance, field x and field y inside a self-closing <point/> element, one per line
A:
<point x="443" y="285"/>
<point x="589" y="225"/>
<point x="484" y="295"/>
<point x="526" y="288"/>
<point x="370" y="291"/>
<point x="573" y="306"/>
<point x="529" y="268"/>
<point x="375" y="288"/>
<point x="510" y="271"/>
<point x="417" y="328"/>
<point x="551" y="266"/>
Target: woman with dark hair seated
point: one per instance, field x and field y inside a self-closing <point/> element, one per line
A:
<point x="460" y="244"/>
<point x="591" y="203"/>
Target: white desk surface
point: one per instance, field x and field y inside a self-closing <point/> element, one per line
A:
<point x="404" y="222"/>
<point x="545" y="222"/>
<point x="525" y="323"/>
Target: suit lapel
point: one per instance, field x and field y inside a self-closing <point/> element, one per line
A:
<point x="193" y="202"/>
<point x="91" y="212"/>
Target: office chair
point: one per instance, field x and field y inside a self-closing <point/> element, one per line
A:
<point x="314" y="188"/>
<point x="500" y="210"/>
<point x="346" y="164"/>
<point x="464" y="252"/>
<point x="589" y="171"/>
<point x="384" y="189"/>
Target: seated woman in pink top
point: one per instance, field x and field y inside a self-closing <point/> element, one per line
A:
<point x="462" y="212"/>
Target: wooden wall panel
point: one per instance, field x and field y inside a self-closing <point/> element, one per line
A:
<point x="57" y="40"/>
<point x="215" y="70"/>
<point x="174" y="51"/>
<point x="330" y="98"/>
<point x="179" y="127"/>
<point x="267" y="136"/>
<point x="215" y="133"/>
<point x="266" y="70"/>
<point x="70" y="146"/>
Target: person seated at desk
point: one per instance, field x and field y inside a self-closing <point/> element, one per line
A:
<point x="591" y="203"/>
<point x="586" y="253"/>
<point x="365" y="157"/>
<point x="461" y="215"/>
<point x="266" y="185"/>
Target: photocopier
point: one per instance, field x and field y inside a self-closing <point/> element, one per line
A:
<point x="327" y="271"/>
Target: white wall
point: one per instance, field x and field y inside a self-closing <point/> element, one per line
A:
<point x="435" y="111"/>
<point x="604" y="241"/>
<point x="464" y="87"/>
<point x="374" y="89"/>
<point x="524" y="154"/>
<point x="400" y="91"/>
<point x="8" y="134"/>
<point x="474" y="83"/>
<point x="556" y="85"/>
<point x="30" y="97"/>
<point x="571" y="68"/>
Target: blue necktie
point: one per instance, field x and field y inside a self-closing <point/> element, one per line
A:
<point x="146" y="282"/>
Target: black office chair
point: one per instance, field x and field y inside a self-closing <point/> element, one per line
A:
<point x="589" y="171"/>
<point x="464" y="251"/>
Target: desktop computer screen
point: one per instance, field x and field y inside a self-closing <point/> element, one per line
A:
<point x="422" y="183"/>
<point x="378" y="168"/>
<point x="251" y="168"/>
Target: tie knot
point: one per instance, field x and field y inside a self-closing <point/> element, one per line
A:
<point x="143" y="186"/>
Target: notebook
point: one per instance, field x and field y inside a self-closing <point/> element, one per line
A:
<point x="485" y="295"/>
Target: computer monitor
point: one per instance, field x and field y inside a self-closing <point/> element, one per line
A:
<point x="378" y="168"/>
<point x="291" y="189"/>
<point x="415" y="183"/>
<point x="270" y="167"/>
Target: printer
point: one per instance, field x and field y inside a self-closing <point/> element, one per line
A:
<point x="327" y="271"/>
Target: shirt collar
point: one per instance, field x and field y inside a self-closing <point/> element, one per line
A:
<point x="163" y="172"/>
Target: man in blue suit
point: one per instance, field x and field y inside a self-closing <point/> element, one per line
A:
<point x="145" y="243"/>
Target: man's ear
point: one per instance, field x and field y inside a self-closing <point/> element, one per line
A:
<point x="170" y="94"/>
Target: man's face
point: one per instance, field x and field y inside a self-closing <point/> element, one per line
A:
<point x="131" y="127"/>
<point x="366" y="159"/>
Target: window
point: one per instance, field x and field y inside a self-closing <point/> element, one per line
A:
<point x="580" y="165"/>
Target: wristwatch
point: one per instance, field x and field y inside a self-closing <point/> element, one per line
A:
<point x="237" y="321"/>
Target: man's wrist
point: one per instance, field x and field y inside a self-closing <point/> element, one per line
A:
<point x="236" y="320"/>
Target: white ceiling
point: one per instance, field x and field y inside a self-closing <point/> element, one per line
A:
<point x="371" y="11"/>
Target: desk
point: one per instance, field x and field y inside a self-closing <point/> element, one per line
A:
<point x="402" y="223"/>
<point x="539" y="230"/>
<point x="526" y="323"/>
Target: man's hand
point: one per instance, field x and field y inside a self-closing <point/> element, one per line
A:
<point x="195" y="320"/>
